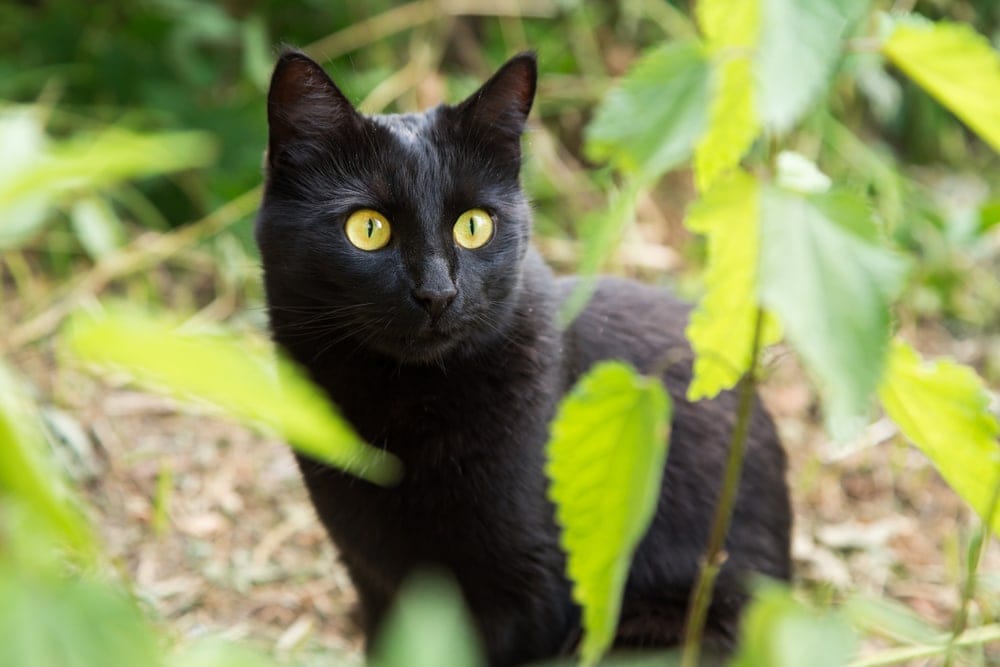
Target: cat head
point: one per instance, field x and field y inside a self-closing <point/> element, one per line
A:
<point x="401" y="234"/>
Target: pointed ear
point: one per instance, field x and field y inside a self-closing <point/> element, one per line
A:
<point x="303" y="103"/>
<point x="502" y="104"/>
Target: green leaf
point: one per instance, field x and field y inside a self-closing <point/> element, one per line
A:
<point x="243" y="378"/>
<point x="52" y="622"/>
<point x="956" y="65"/>
<point x="721" y="328"/>
<point x="831" y="285"/>
<point x="23" y="144"/>
<point x="429" y="627"/>
<point x="800" y="42"/>
<point x="650" y="122"/>
<point x="96" y="226"/>
<point x="730" y="27"/>
<point x="779" y="631"/>
<point x="605" y="462"/>
<point x="29" y="478"/>
<point x="943" y="409"/>
<point x="218" y="653"/>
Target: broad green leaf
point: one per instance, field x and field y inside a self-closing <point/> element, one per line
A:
<point x="605" y="462"/>
<point x="731" y="28"/>
<point x="956" y="65"/>
<point x="218" y="653"/>
<point x="800" y="42"/>
<point x="60" y="623"/>
<point x="650" y="122"/>
<point x="778" y="631"/>
<point x="96" y="226"/>
<point x="29" y="479"/>
<point x="943" y="409"/>
<point x="246" y="380"/>
<point x="721" y="328"/>
<point x="830" y="284"/>
<point x="888" y="618"/>
<point x="429" y="627"/>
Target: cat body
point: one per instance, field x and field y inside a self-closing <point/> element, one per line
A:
<point x="451" y="359"/>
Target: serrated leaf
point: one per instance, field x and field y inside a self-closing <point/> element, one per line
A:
<point x="650" y="121"/>
<point x="830" y="286"/>
<point x="96" y="226"/>
<point x="943" y="409"/>
<point x="244" y="379"/>
<point x="721" y="328"/>
<point x="29" y="477"/>
<point x="800" y="42"/>
<point x="731" y="29"/>
<point x="429" y="627"/>
<point x="778" y="631"/>
<point x="605" y="463"/>
<point x="957" y="66"/>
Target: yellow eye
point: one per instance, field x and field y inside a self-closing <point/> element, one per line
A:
<point x="473" y="229"/>
<point x="367" y="229"/>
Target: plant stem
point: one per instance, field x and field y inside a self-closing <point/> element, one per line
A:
<point x="977" y="636"/>
<point x="715" y="556"/>
<point x="969" y="589"/>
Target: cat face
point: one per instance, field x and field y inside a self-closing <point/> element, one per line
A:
<point x="403" y="234"/>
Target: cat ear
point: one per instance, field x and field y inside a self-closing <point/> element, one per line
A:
<point x="303" y="103"/>
<point x="502" y="103"/>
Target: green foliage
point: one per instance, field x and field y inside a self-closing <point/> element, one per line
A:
<point x="957" y="66"/>
<point x="244" y="379"/>
<point x="831" y="285"/>
<point x="429" y="627"/>
<point x="943" y="409"/>
<point x="650" y="122"/>
<point x="605" y="463"/>
<point x="779" y="631"/>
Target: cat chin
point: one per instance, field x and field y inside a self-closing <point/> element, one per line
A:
<point x="437" y="350"/>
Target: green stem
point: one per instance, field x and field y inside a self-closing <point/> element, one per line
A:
<point x="715" y="556"/>
<point x="986" y="634"/>
<point x="969" y="589"/>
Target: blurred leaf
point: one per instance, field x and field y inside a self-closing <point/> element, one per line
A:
<point x="218" y="653"/>
<point x="729" y="27"/>
<point x="831" y="287"/>
<point x="799" y="44"/>
<point x="29" y="478"/>
<point x="956" y="65"/>
<point x="429" y="627"/>
<point x="888" y="618"/>
<point x="779" y="631"/>
<point x="64" y="623"/>
<point x="649" y="122"/>
<point x="605" y="461"/>
<point x="989" y="216"/>
<point x="257" y="60"/>
<point x="251" y="384"/>
<point x="96" y="226"/>
<point x="943" y="408"/>
<point x="22" y="144"/>
<point x="721" y="328"/>
<point x="798" y="173"/>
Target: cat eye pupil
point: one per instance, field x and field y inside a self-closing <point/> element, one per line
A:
<point x="472" y="226"/>
<point x="371" y="227"/>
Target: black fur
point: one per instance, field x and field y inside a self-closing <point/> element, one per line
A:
<point x="465" y="398"/>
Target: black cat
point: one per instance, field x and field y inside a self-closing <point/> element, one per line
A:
<point x="399" y="271"/>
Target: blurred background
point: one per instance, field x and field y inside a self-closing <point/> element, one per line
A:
<point x="131" y="141"/>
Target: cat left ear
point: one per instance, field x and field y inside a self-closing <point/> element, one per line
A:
<point x="502" y="103"/>
<point x="304" y="103"/>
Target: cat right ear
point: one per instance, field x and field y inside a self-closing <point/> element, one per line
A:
<point x="303" y="103"/>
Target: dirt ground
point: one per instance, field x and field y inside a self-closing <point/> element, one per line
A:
<point x="211" y="523"/>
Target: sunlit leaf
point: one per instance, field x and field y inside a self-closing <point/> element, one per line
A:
<point x="943" y="408"/>
<point x="650" y="121"/>
<point x="731" y="28"/>
<point x="778" y="631"/>
<point x="429" y="627"/>
<point x="22" y="143"/>
<point x="956" y="65"/>
<point x="605" y="462"/>
<point x="798" y="173"/>
<point x="29" y="477"/>
<point x="721" y="328"/>
<point x="96" y="226"/>
<point x="247" y="381"/>
<point x="800" y="42"/>
<point x="62" y="623"/>
<point x="830" y="284"/>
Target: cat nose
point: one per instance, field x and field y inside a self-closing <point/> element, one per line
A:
<point x="435" y="299"/>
